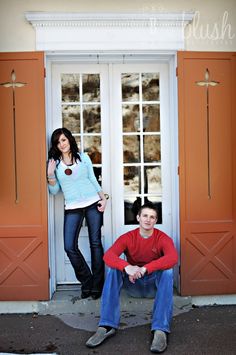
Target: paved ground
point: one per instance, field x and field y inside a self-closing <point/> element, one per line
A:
<point x="204" y="330"/>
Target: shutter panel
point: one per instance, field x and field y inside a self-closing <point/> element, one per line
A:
<point x="207" y="151"/>
<point x="23" y="191"/>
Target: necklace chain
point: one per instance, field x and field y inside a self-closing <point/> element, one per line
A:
<point x="66" y="163"/>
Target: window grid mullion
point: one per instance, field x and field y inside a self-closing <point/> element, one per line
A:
<point x="141" y="134"/>
<point x="81" y="113"/>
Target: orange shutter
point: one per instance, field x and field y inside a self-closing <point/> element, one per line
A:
<point x="24" y="271"/>
<point x="207" y="159"/>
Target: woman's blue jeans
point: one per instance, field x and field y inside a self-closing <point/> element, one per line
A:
<point x="91" y="280"/>
<point x="158" y="284"/>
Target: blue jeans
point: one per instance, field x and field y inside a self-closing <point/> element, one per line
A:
<point x="91" y="280"/>
<point x="158" y="284"/>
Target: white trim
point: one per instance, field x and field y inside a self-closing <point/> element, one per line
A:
<point x="106" y="31"/>
<point x="51" y="224"/>
<point x="107" y="19"/>
<point x="112" y="38"/>
<point x="174" y="160"/>
<point x="111" y="217"/>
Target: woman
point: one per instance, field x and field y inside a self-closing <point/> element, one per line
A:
<point x="72" y="172"/>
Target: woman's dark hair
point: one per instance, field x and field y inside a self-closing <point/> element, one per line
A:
<point x="54" y="152"/>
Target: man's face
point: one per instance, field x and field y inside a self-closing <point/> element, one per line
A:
<point x="147" y="219"/>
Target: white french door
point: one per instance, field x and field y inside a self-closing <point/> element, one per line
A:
<point x="140" y="144"/>
<point x="119" y="115"/>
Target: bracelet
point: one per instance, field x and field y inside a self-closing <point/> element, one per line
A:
<point x="51" y="177"/>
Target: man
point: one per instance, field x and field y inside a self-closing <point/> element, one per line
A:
<point x="147" y="272"/>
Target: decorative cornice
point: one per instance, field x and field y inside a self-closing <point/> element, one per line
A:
<point x="56" y="19"/>
<point x="109" y="31"/>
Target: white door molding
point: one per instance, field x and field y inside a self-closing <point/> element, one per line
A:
<point x="111" y="38"/>
<point x="109" y="31"/>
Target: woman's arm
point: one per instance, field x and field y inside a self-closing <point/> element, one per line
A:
<point x="102" y="203"/>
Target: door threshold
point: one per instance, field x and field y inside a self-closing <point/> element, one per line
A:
<point x="68" y="287"/>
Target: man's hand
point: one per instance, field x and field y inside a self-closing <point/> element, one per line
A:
<point x="135" y="272"/>
<point x="143" y="270"/>
<point x="131" y="270"/>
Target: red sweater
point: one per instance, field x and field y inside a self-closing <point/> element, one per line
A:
<point x="155" y="253"/>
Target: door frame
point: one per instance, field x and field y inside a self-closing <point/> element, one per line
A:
<point x="107" y="57"/>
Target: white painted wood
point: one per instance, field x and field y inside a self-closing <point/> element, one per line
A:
<point x="112" y="154"/>
<point x="109" y="31"/>
<point x="117" y="149"/>
<point x="64" y="271"/>
<point x="71" y="38"/>
<point x="111" y="38"/>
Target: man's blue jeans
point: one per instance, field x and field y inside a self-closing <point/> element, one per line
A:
<point x="90" y="281"/>
<point x="158" y="284"/>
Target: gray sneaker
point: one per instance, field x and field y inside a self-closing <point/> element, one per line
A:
<point x="99" y="337"/>
<point x="159" y="343"/>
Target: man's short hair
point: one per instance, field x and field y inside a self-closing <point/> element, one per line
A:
<point x="149" y="205"/>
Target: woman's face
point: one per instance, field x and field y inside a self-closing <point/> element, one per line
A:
<point x="63" y="144"/>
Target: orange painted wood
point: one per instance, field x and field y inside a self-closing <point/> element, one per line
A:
<point x="207" y="225"/>
<point x="24" y="269"/>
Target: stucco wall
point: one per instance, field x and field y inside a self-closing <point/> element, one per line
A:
<point x="213" y="28"/>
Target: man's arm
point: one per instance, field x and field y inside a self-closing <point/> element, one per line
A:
<point x="169" y="258"/>
<point x="112" y="255"/>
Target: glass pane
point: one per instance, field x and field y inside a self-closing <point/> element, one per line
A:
<point x="157" y="201"/>
<point x="130" y="87"/>
<point x="131" y="121"/>
<point x="70" y="87"/>
<point x="78" y="141"/>
<point x="131" y="149"/>
<point x="150" y="86"/>
<point x="91" y="87"/>
<point x="142" y="183"/>
<point x="152" y="180"/>
<point x="131" y="207"/>
<point x="98" y="172"/>
<point x="92" y="145"/>
<point x="71" y="117"/>
<point x="152" y="148"/>
<point x="151" y="118"/>
<point x="132" y="180"/>
<point x="92" y="118"/>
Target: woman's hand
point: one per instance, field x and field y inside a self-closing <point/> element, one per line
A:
<point x="51" y="167"/>
<point x="102" y="205"/>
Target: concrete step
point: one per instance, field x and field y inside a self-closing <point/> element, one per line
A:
<point x="84" y="313"/>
